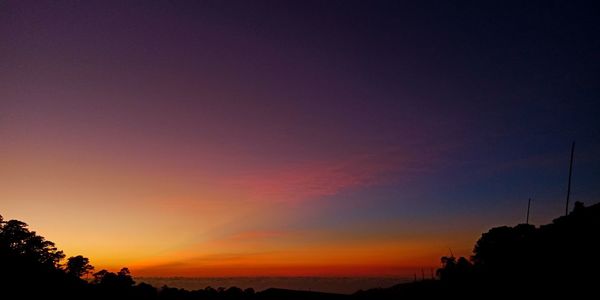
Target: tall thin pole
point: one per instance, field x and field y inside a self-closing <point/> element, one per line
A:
<point x="569" y="184"/>
<point x="528" y="206"/>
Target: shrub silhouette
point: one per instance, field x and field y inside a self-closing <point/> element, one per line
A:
<point x="455" y="270"/>
<point x="552" y="259"/>
<point x="555" y="259"/>
<point x="558" y="259"/>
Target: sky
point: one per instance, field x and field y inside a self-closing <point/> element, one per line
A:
<point x="292" y="138"/>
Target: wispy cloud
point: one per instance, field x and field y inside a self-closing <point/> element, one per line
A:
<point x="256" y="235"/>
<point x="313" y="179"/>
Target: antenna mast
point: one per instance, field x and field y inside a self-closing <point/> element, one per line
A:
<point x="569" y="184"/>
<point x="528" y="206"/>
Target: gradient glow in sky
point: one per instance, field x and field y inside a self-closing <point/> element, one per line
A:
<point x="226" y="138"/>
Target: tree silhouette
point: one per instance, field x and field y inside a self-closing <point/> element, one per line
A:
<point x="78" y="266"/>
<point x="448" y="266"/>
<point x="453" y="269"/>
<point x="99" y="276"/>
<point x="124" y="277"/>
<point x="120" y="280"/>
<point x="16" y="239"/>
<point x="537" y="262"/>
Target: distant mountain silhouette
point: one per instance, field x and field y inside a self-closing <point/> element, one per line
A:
<point x="558" y="259"/>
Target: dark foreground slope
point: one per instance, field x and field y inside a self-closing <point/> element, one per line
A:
<point x="276" y="294"/>
<point x="558" y="259"/>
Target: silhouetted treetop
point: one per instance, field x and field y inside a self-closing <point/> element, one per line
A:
<point x="78" y="266"/>
<point x="504" y="244"/>
<point x="17" y="240"/>
<point x="539" y="262"/>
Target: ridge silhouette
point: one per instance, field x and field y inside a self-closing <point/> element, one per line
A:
<point x="557" y="259"/>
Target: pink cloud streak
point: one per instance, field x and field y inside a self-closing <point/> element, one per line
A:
<point x="314" y="179"/>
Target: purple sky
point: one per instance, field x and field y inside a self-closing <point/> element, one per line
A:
<point x="307" y="127"/>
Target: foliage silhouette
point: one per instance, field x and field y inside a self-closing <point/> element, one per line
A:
<point x="78" y="266"/>
<point x="547" y="261"/>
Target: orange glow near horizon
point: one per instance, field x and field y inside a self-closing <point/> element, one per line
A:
<point x="338" y="258"/>
<point x="290" y="138"/>
<point x="170" y="226"/>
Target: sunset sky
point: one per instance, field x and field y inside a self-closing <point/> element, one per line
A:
<point x="325" y="138"/>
